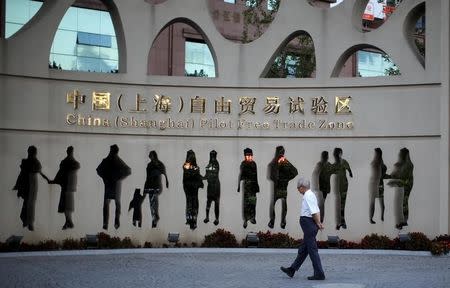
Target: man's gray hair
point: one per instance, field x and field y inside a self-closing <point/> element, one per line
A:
<point x="303" y="182"/>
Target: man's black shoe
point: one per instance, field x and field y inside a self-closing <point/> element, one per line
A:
<point x="316" y="278"/>
<point x="289" y="271"/>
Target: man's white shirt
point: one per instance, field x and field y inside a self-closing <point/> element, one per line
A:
<point x="309" y="204"/>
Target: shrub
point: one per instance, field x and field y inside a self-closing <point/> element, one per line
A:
<point x="439" y="248"/>
<point x="220" y="238"/>
<point x="48" y="245"/>
<point x="127" y="243"/>
<point x="375" y="241"/>
<point x="72" y="244"/>
<point x="322" y="244"/>
<point x="277" y="240"/>
<point x="343" y="244"/>
<point x="148" y="244"/>
<point x="418" y="242"/>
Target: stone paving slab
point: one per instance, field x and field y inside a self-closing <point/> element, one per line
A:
<point x="213" y="268"/>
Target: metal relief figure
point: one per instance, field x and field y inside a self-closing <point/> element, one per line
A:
<point x="376" y="184"/>
<point x="153" y="184"/>
<point x="340" y="168"/>
<point x="322" y="175"/>
<point x="112" y="170"/>
<point x="192" y="181"/>
<point x="248" y="174"/>
<point x="66" y="177"/>
<point x="27" y="186"/>
<point x="281" y="171"/>
<point x="403" y="179"/>
<point x="213" y="190"/>
<point x="136" y="205"/>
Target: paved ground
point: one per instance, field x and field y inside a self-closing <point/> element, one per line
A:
<point x="188" y="268"/>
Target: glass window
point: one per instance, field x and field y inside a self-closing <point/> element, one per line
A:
<point x="85" y="41"/>
<point x="295" y="60"/>
<point x="18" y="13"/>
<point x="230" y="1"/>
<point x="373" y="64"/>
<point x="198" y="60"/>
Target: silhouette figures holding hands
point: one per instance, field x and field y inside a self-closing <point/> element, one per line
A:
<point x="112" y="170"/>
<point x="153" y="184"/>
<point x="281" y="171"/>
<point x="192" y="181"/>
<point x="248" y="174"/>
<point x="67" y="179"/>
<point x="213" y="190"/>
<point x="27" y="186"/>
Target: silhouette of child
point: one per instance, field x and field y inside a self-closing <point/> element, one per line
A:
<point x="136" y="204"/>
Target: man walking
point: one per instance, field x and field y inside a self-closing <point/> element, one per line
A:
<point x="310" y="223"/>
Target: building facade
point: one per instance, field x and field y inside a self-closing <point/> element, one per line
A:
<point x="52" y="109"/>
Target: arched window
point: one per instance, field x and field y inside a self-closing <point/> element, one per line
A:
<point x="365" y="61"/>
<point x="18" y="13"/>
<point x="86" y="39"/>
<point x="181" y="49"/>
<point x="295" y="59"/>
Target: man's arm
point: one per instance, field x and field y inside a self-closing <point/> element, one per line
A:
<point x="316" y="218"/>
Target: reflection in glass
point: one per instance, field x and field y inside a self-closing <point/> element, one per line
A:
<point x="181" y="50"/>
<point x="85" y="40"/>
<point x="296" y="60"/>
<point x="18" y="13"/>
<point x="369" y="62"/>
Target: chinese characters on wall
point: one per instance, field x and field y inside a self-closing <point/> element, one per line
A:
<point x="214" y="108"/>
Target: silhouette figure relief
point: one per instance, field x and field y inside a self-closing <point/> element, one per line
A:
<point x="192" y="181"/>
<point x="112" y="170"/>
<point x="153" y="185"/>
<point x="213" y="190"/>
<point x="402" y="179"/>
<point x="340" y="168"/>
<point x="27" y="186"/>
<point x="281" y="171"/>
<point x="136" y="205"/>
<point x="376" y="184"/>
<point x="321" y="178"/>
<point x="66" y="177"/>
<point x="248" y="174"/>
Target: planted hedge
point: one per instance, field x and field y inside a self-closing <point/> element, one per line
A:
<point x="225" y="239"/>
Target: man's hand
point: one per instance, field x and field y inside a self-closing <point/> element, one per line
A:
<point x="320" y="226"/>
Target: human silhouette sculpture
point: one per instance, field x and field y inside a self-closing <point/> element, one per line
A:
<point x="403" y="178"/>
<point x="153" y="185"/>
<point x="213" y="190"/>
<point x="66" y="177"/>
<point x="112" y="170"/>
<point x="136" y="205"/>
<point x="281" y="171"/>
<point x="376" y="184"/>
<point x="192" y="181"/>
<point x="321" y="176"/>
<point x="248" y="174"/>
<point x="27" y="186"/>
<point x="340" y="168"/>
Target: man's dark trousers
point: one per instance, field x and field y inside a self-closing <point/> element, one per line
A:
<point x="309" y="247"/>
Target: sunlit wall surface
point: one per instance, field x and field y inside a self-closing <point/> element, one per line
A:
<point x="18" y="13"/>
<point x="198" y="60"/>
<point x="85" y="41"/>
